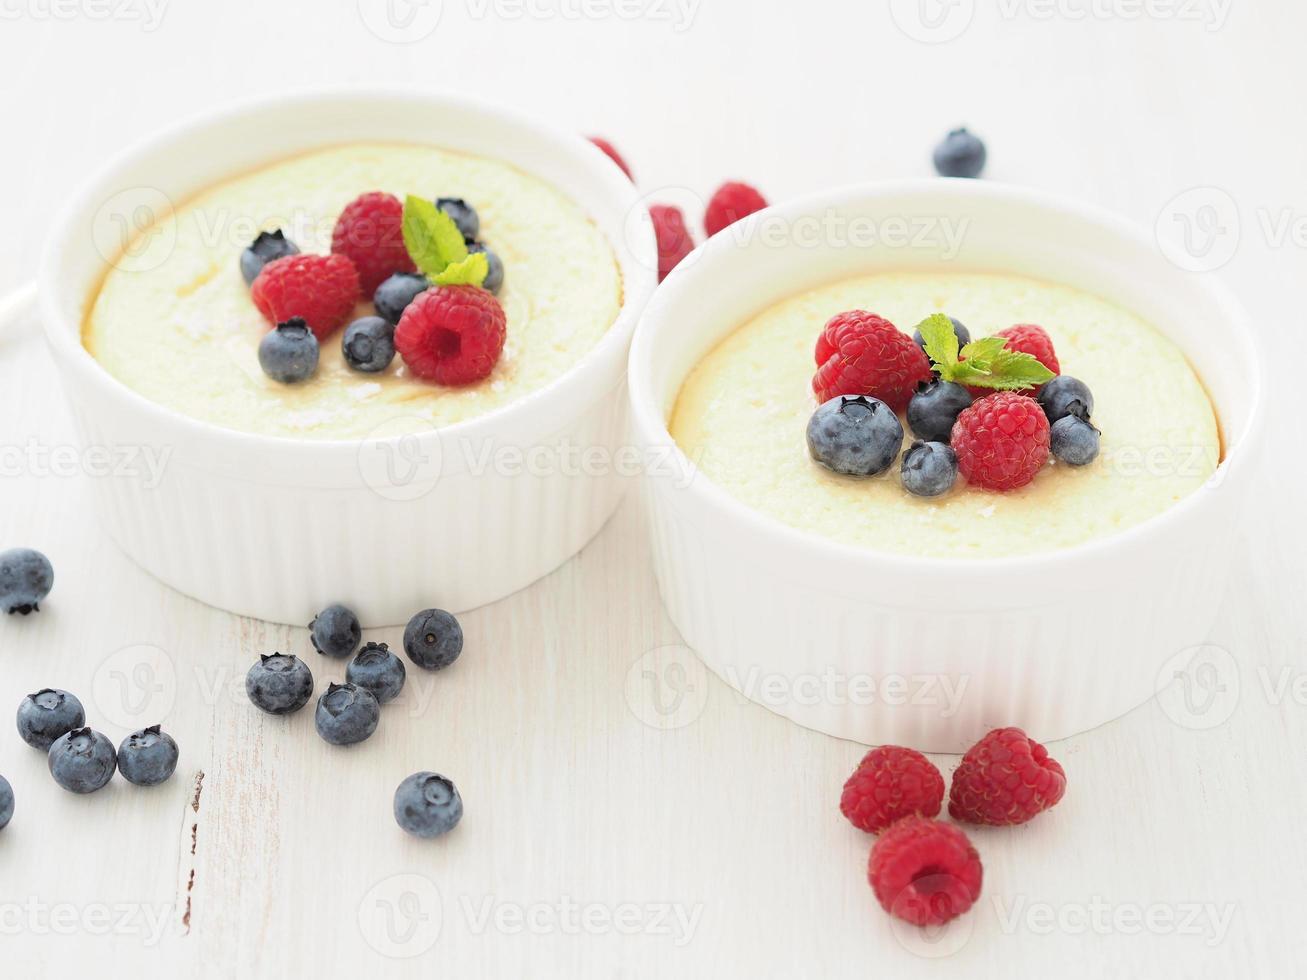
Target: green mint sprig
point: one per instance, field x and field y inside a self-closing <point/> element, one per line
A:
<point x="437" y="248"/>
<point x="983" y="363"/>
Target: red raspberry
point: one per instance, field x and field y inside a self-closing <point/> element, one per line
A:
<point x="729" y="204"/>
<point x="370" y="233"/>
<point x="1005" y="778"/>
<point x="860" y="353"/>
<point x="674" y="239"/>
<point x="1033" y="340"/>
<point x="322" y="289"/>
<point x="452" y="335"/>
<point x="924" y="872"/>
<point x="1001" y="441"/>
<point x="613" y="155"/>
<point x="891" y="782"/>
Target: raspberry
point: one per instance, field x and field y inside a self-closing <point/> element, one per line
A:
<point x="369" y="232"/>
<point x="860" y="353"/>
<point x="452" y="335"/>
<point x="891" y="782"/>
<point x="612" y="153"/>
<point x="1001" y="441"/>
<point x="1005" y="778"/>
<point x="674" y="239"/>
<point x="729" y="204"/>
<point x="924" y="872"/>
<point x="320" y="289"/>
<point x="1033" y="340"/>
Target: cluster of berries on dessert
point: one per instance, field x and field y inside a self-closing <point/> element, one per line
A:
<point x="989" y="410"/>
<point x="921" y="869"/>
<point x="394" y="252"/>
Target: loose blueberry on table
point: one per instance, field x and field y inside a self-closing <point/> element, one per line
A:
<point x="48" y="715"/>
<point x="427" y="804"/>
<point x="279" y="684"/>
<point x="82" y="761"/>
<point x="6" y="803"/>
<point x="346" y="714"/>
<point x="26" y="578"/>
<point x="433" y="639"/>
<point x="148" y="757"/>
<point x="377" y="670"/>
<point x="960" y="154"/>
<point x="335" y="632"/>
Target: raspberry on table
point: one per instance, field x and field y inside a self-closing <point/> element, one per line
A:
<point x="860" y="353"/>
<point x="924" y="872"/>
<point x="1005" y="778"/>
<point x="369" y="232"/>
<point x="612" y="154"/>
<point x="452" y="335"/>
<point x="1001" y="441"/>
<point x="891" y="782"/>
<point x="321" y="290"/>
<point x="731" y="202"/>
<point x="674" y="239"/>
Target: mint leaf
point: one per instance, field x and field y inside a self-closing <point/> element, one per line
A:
<point x="983" y="363"/>
<point x="941" y="341"/>
<point x="471" y="271"/>
<point x="431" y="237"/>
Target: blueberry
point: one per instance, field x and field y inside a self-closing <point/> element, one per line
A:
<point x="369" y="344"/>
<point x="378" y="670"/>
<point x="433" y="639"/>
<point x="395" y="293"/>
<point x="47" y="715"/>
<point x="346" y="714"/>
<point x="6" y="803"/>
<point x="934" y="409"/>
<point x="959" y="330"/>
<point x="855" y="435"/>
<point x="147" y="757"/>
<point x="1058" y="396"/>
<point x="289" y="353"/>
<point x="961" y="154"/>
<point x="495" y="277"/>
<point x="929" y="469"/>
<point x="464" y="216"/>
<point x="279" y="684"/>
<point x="82" y="761"/>
<point x="268" y="246"/>
<point x="1073" y="438"/>
<point x="26" y="577"/>
<point x="335" y="631"/>
<point x="428" y="805"/>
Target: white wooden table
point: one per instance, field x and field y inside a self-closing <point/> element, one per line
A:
<point x="604" y="838"/>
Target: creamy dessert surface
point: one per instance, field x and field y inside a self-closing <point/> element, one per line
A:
<point x="742" y="414"/>
<point x="174" y="319"/>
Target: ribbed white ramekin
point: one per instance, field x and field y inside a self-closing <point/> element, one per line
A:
<point x="409" y="517"/>
<point x="858" y="644"/>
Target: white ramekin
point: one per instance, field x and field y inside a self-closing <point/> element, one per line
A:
<point x="858" y="644"/>
<point x="275" y="528"/>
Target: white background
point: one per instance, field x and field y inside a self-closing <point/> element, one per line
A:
<point x="586" y="822"/>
